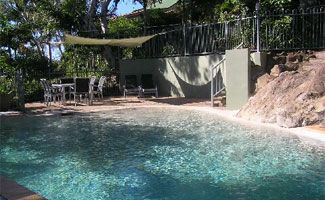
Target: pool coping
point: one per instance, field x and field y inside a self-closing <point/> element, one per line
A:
<point x="10" y="189"/>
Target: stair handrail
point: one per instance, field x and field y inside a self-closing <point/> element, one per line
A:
<point x="217" y="67"/>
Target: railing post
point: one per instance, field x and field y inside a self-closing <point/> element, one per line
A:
<point x="184" y="38"/>
<point x="303" y="27"/>
<point x="257" y="8"/>
<point x="20" y="89"/>
<point x="226" y="35"/>
<point x="212" y="85"/>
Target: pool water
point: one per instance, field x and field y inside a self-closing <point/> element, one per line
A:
<point x="155" y="153"/>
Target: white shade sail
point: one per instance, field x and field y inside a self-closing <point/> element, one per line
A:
<point x="125" y="42"/>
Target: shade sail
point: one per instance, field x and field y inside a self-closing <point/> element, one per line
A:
<point x="125" y="42"/>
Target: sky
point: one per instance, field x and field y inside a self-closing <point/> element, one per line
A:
<point x="127" y="6"/>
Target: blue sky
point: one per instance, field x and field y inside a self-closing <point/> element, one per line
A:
<point x="127" y="6"/>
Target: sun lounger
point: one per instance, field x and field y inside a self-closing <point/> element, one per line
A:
<point x="131" y="85"/>
<point x="147" y="86"/>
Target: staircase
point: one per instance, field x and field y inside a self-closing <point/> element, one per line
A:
<point x="217" y="86"/>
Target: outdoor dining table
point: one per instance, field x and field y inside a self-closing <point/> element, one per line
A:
<point x="62" y="87"/>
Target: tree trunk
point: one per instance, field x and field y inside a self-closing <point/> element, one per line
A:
<point x="90" y="26"/>
<point x="20" y="89"/>
<point x="145" y="3"/>
<point x="107" y="52"/>
<point x="103" y="17"/>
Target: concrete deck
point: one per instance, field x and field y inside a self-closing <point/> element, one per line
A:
<point x="13" y="191"/>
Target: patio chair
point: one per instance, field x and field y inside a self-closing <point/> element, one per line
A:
<point x="66" y="80"/>
<point x="70" y="89"/>
<point x="81" y="89"/>
<point x="50" y="93"/>
<point x="92" y="81"/>
<point x="147" y="85"/>
<point x="131" y="85"/>
<point x="98" y="89"/>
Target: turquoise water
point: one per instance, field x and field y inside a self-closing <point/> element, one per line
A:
<point x="157" y="154"/>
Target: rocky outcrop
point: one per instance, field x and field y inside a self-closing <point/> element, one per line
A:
<point x="290" y="96"/>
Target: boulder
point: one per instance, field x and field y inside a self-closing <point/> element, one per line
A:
<point x="291" y="57"/>
<point x="291" y="99"/>
<point x="287" y="119"/>
<point x="277" y="70"/>
<point x="299" y="57"/>
<point x="310" y="56"/>
<point x="291" y="66"/>
<point x="263" y="80"/>
<point x="280" y="59"/>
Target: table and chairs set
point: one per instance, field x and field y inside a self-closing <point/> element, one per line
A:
<point x="80" y="88"/>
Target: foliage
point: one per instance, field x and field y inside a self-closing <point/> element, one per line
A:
<point x="202" y="10"/>
<point x="158" y="17"/>
<point x="33" y="90"/>
<point x="6" y="74"/>
<point x="127" y="53"/>
<point x="168" y="50"/>
<point x="122" y="25"/>
<point x="5" y="85"/>
<point x="81" y="60"/>
<point x="230" y="9"/>
<point x="279" y="27"/>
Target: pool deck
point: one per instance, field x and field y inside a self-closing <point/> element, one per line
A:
<point x="11" y="190"/>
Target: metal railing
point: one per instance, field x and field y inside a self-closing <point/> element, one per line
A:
<point x="293" y="29"/>
<point x="277" y="30"/>
<point x="217" y="84"/>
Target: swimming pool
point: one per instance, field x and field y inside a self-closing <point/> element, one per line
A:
<point x="157" y="153"/>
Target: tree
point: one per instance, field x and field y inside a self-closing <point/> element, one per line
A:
<point x="145" y="4"/>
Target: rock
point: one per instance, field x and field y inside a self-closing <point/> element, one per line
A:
<point x="320" y="106"/>
<point x="280" y="59"/>
<point x="311" y="56"/>
<point x="291" y="66"/>
<point x="291" y="57"/>
<point x="287" y="119"/>
<point x="299" y="57"/>
<point x="282" y="53"/>
<point x="292" y="98"/>
<point x="277" y="70"/>
<point x="263" y="80"/>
